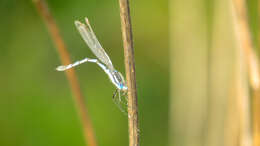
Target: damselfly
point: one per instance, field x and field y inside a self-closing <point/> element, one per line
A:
<point x="103" y="60"/>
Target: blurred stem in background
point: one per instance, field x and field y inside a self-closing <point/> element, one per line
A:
<point x="210" y="102"/>
<point x="256" y="99"/>
<point x="222" y="116"/>
<point x="189" y="72"/>
<point x="43" y="10"/>
<point x="245" y="41"/>
<point x="251" y="61"/>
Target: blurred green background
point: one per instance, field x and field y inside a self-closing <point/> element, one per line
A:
<point x="36" y="104"/>
<point x="186" y="55"/>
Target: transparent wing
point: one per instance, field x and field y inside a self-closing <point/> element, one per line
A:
<point x="121" y="101"/>
<point x="94" y="45"/>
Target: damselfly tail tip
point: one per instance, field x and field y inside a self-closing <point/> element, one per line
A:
<point x="61" y="68"/>
<point x="86" y="19"/>
<point x="77" y="23"/>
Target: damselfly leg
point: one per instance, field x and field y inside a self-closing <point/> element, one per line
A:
<point x="120" y="102"/>
<point x="114" y="95"/>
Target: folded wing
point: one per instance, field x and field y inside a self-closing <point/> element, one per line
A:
<point x="90" y="38"/>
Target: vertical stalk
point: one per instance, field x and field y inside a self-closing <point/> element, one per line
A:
<point x="189" y="77"/>
<point x="256" y="101"/>
<point x="244" y="37"/>
<point x="133" y="127"/>
<point x="256" y="118"/>
<point x="43" y="10"/>
<point x="251" y="60"/>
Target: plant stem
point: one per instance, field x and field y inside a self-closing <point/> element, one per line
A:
<point x="256" y="118"/>
<point x="133" y="127"/>
<point x="244" y="36"/>
<point x="256" y="102"/>
<point x="43" y="10"/>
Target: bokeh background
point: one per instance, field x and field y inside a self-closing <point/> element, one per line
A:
<point x="192" y="81"/>
<point x="36" y="104"/>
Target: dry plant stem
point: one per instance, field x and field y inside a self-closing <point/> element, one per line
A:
<point x="258" y="40"/>
<point x="42" y="8"/>
<point x="251" y="61"/>
<point x="256" y="118"/>
<point x="245" y="40"/>
<point x="126" y="27"/>
<point x="256" y="102"/>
